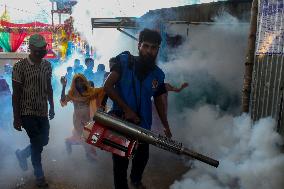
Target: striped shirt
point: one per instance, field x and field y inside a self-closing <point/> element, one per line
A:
<point x="34" y="79"/>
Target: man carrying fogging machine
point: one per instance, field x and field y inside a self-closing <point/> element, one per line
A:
<point x="131" y="84"/>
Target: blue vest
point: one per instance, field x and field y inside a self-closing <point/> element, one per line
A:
<point x="135" y="93"/>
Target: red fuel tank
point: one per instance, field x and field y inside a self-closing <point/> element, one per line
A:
<point x="105" y="139"/>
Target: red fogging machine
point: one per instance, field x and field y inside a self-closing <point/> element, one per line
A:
<point x="117" y="136"/>
<point x="100" y="136"/>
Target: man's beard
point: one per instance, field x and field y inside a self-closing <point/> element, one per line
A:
<point x="147" y="62"/>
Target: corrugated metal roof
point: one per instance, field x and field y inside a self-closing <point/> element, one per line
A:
<point x="201" y="12"/>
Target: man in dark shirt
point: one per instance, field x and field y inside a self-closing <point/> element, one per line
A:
<point x="32" y="90"/>
<point x="88" y="72"/>
<point x="99" y="75"/>
<point x="131" y="84"/>
<point x="69" y="76"/>
<point x="78" y="68"/>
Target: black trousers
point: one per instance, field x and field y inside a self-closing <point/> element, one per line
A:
<point x="120" y="165"/>
<point x="37" y="129"/>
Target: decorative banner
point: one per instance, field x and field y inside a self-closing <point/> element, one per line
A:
<point x="270" y="34"/>
<point x="16" y="39"/>
<point x="12" y="35"/>
<point x="27" y="25"/>
<point x="10" y="42"/>
<point x="30" y="30"/>
<point x="5" y="41"/>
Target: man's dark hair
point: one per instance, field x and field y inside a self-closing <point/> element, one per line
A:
<point x="101" y="67"/>
<point x="89" y="59"/>
<point x="151" y="36"/>
<point x="112" y="60"/>
<point x="69" y="68"/>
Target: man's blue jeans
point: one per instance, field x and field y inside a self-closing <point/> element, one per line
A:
<point x="37" y="129"/>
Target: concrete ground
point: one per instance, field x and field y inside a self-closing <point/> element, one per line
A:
<point x="75" y="172"/>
